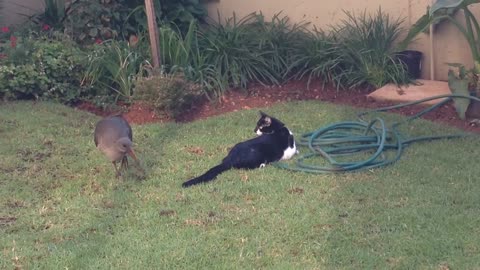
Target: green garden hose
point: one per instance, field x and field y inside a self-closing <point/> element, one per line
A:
<point x="369" y="139"/>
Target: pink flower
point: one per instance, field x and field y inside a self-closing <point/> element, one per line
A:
<point x="98" y="41"/>
<point x="13" y="41"/>
<point x="3" y="56"/>
<point x="46" y="27"/>
<point x="5" y="29"/>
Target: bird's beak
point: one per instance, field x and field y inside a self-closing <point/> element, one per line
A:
<point x="137" y="162"/>
<point x="132" y="154"/>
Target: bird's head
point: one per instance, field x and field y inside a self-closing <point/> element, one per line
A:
<point x="124" y="145"/>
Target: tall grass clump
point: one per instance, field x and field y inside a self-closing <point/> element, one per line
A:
<point x="250" y="49"/>
<point x="113" y="67"/>
<point x="180" y="53"/>
<point x="357" y="52"/>
<point x="367" y="49"/>
<point x="231" y="54"/>
<point x="234" y="49"/>
<point x="278" y="39"/>
<point x="316" y="56"/>
<point x="176" y="49"/>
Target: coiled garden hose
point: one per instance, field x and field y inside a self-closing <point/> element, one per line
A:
<point x="371" y="139"/>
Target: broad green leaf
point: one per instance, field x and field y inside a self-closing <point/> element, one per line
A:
<point x="421" y="25"/>
<point x="451" y="4"/>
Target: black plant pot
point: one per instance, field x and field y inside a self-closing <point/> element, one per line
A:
<point x="412" y="61"/>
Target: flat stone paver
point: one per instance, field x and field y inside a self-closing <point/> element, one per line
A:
<point x="412" y="92"/>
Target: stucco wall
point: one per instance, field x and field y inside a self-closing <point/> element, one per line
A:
<point x="449" y="44"/>
<point x="12" y="9"/>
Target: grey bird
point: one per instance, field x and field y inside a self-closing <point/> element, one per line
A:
<point x="113" y="136"/>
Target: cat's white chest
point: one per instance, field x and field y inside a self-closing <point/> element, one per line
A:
<point x="290" y="151"/>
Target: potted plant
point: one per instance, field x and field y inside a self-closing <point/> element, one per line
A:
<point x="445" y="10"/>
<point x="411" y="59"/>
<point x="464" y="81"/>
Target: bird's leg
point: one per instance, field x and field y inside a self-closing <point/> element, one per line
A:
<point x="117" y="172"/>
<point x="124" y="164"/>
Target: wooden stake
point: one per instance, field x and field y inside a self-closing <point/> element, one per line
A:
<point x="153" y="34"/>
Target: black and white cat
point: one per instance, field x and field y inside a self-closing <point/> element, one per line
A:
<point x="274" y="142"/>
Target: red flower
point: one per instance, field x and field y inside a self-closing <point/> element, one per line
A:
<point x="98" y="41"/>
<point x="5" y="29"/>
<point x="3" y="56"/>
<point x="46" y="27"/>
<point x="13" y="41"/>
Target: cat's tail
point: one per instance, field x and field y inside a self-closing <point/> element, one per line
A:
<point x="208" y="176"/>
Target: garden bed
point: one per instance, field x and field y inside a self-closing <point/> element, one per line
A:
<point x="259" y="96"/>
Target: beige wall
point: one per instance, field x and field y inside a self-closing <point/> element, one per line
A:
<point x="449" y="44"/>
<point x="10" y="13"/>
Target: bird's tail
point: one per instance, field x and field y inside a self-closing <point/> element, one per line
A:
<point x="208" y="176"/>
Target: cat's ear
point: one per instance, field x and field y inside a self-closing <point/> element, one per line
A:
<point x="265" y="118"/>
<point x="268" y="120"/>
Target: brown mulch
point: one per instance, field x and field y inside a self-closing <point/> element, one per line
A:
<point x="136" y="113"/>
<point x="263" y="96"/>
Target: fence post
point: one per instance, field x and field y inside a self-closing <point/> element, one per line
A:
<point x="153" y="34"/>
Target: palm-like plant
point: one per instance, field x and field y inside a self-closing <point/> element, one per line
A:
<point x="444" y="10"/>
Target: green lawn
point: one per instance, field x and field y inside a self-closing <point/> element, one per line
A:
<point x="62" y="208"/>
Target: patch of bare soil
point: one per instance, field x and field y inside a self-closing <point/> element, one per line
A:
<point x="263" y="96"/>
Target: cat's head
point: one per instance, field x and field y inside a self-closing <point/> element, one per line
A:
<point x="267" y="124"/>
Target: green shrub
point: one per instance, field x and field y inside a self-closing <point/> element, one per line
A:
<point x="45" y="69"/>
<point x="89" y="21"/>
<point x="169" y="94"/>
